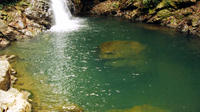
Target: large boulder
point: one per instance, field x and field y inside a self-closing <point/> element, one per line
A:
<point x="14" y="101"/>
<point x="105" y="8"/>
<point x="5" y="78"/>
<point x="24" y="19"/>
<point x="40" y="12"/>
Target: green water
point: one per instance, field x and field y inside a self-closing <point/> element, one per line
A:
<point x="63" y="68"/>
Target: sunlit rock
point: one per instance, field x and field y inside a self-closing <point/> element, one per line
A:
<point x="72" y="108"/>
<point x="11" y="100"/>
<point x="24" y="19"/>
<point x="62" y="108"/>
<point x="14" y="101"/>
<point x="5" y="79"/>
<point x="4" y="42"/>
<point x="142" y="108"/>
<point x="121" y="53"/>
<point x="105" y="8"/>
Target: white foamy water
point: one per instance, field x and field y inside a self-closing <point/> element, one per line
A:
<point x="64" y="21"/>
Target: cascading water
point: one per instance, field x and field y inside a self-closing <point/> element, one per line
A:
<point x="64" y="21"/>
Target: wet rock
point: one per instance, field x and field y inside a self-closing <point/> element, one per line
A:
<point x="120" y="49"/>
<point x="142" y="108"/>
<point x="168" y="13"/>
<point x="40" y="12"/>
<point x="105" y="8"/>
<point x="5" y="79"/>
<point x="122" y="53"/>
<point x="14" y="101"/>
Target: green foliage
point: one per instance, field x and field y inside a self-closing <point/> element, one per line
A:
<point x="9" y="2"/>
<point x="23" y="3"/>
<point x="1" y="6"/>
<point x="115" y="5"/>
<point x="150" y="3"/>
<point x="164" y="13"/>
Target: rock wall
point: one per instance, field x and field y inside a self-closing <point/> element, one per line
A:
<point x="11" y="99"/>
<point x="23" y="19"/>
<point x="182" y="15"/>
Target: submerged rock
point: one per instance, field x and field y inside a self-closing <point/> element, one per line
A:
<point x="142" y="108"/>
<point x="14" y="101"/>
<point x="121" y="53"/>
<point x="120" y="49"/>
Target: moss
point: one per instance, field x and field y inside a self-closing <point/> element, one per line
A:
<point x="115" y="5"/>
<point x="22" y="3"/>
<point x="164" y="13"/>
<point x="152" y="11"/>
<point x="166" y="4"/>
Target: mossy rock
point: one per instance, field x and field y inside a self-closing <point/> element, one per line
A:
<point x="142" y="108"/>
<point x="120" y="49"/>
<point x="164" y="13"/>
<point x="165" y="4"/>
<point x="122" y="53"/>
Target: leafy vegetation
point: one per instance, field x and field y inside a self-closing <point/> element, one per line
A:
<point x="8" y="2"/>
<point x="1" y="6"/>
<point x="150" y="3"/>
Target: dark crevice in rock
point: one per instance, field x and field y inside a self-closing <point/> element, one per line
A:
<point x="184" y="4"/>
<point x="130" y="7"/>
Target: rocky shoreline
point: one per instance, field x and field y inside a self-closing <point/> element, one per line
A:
<point x="27" y="18"/>
<point x="23" y="19"/>
<point x="11" y="99"/>
<point x="19" y="20"/>
<point x="182" y="15"/>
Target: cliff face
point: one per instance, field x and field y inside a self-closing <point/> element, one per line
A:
<point x="22" y="19"/>
<point x="183" y="15"/>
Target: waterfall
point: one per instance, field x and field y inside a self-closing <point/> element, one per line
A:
<point x="64" y="21"/>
